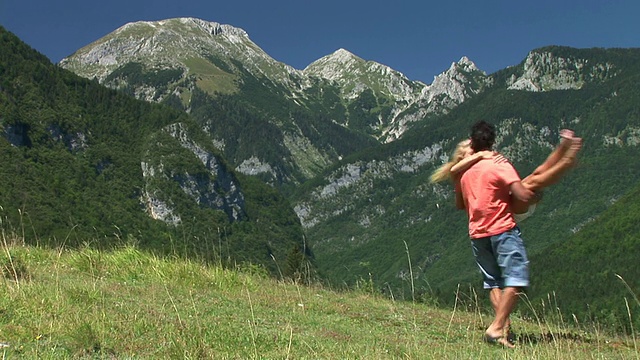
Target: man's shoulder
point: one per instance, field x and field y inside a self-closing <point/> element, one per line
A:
<point x="491" y="169"/>
<point x="480" y="169"/>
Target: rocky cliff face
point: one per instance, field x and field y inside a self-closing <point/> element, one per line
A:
<point x="207" y="184"/>
<point x="545" y="71"/>
<point x="353" y="182"/>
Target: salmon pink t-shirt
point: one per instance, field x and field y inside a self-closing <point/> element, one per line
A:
<point x="485" y="188"/>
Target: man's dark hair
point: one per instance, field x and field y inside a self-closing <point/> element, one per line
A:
<point x="483" y="135"/>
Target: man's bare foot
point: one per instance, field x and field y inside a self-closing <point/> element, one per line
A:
<point x="498" y="340"/>
<point x="508" y="333"/>
<point x="494" y="332"/>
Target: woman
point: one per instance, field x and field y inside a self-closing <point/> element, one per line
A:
<point x="562" y="158"/>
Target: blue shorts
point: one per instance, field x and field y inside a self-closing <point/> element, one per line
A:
<point x="502" y="260"/>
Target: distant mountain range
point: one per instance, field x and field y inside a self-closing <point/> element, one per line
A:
<point x="351" y="143"/>
<point x="181" y="61"/>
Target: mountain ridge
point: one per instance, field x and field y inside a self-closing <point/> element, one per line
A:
<point x="370" y="100"/>
<point x="369" y="210"/>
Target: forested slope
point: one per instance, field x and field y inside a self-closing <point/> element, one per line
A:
<point x="73" y="155"/>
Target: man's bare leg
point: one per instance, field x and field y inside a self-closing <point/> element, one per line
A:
<point x="508" y="300"/>
<point x="495" y="295"/>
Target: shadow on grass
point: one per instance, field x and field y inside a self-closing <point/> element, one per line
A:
<point x="548" y="337"/>
<point x="544" y="338"/>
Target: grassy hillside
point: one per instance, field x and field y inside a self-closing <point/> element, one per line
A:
<point x="603" y="263"/>
<point x="126" y="303"/>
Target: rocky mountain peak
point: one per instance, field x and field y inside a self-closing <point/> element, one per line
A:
<point x="344" y="56"/>
<point x="455" y="82"/>
<point x="335" y="65"/>
<point x="193" y="26"/>
<point x="192" y="46"/>
<point x="355" y="75"/>
<point x="465" y="65"/>
<point x="212" y="28"/>
<point x="544" y="70"/>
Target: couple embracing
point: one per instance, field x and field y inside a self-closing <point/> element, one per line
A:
<point x="491" y="191"/>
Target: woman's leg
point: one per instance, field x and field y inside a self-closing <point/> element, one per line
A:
<point x="566" y="136"/>
<point x="549" y="174"/>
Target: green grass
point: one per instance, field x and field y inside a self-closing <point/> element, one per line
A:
<point x="210" y="78"/>
<point x="85" y="303"/>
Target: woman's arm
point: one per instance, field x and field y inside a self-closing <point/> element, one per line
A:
<point x="466" y="163"/>
<point x="460" y="205"/>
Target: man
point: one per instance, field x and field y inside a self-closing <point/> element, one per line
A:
<point x="485" y="190"/>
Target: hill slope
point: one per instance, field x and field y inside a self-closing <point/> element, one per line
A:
<point x="127" y="303"/>
<point x="86" y="163"/>
<point x="603" y="260"/>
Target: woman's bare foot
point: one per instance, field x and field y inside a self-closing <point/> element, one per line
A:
<point x="572" y="152"/>
<point x="566" y="134"/>
<point x="566" y="138"/>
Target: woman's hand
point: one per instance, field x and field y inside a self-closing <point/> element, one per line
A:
<point x="499" y="158"/>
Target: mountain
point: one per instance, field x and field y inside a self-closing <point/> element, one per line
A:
<point x="86" y="165"/>
<point x="462" y="81"/>
<point x="352" y="143"/>
<point x="405" y="101"/>
<point x="300" y="121"/>
<point x="376" y="216"/>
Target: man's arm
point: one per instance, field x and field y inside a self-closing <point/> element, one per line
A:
<point x="520" y="192"/>
<point x="507" y="172"/>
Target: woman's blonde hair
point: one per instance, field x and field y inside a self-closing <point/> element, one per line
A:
<point x="444" y="171"/>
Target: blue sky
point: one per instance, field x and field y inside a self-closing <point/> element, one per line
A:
<point x="419" y="38"/>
